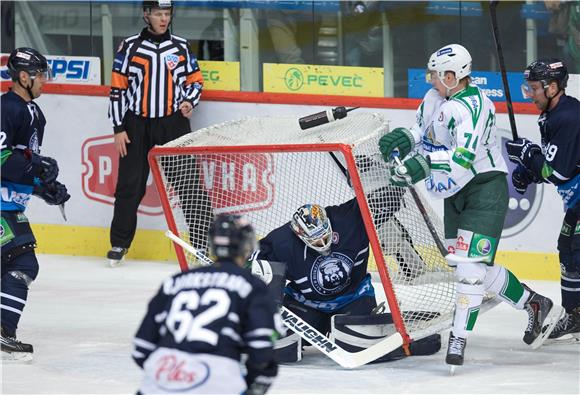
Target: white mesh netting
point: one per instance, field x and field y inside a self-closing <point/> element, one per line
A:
<point x="268" y="167"/>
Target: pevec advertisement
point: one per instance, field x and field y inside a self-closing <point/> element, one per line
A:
<point x="65" y="69"/>
<point x="223" y="76"/>
<point x="323" y="80"/>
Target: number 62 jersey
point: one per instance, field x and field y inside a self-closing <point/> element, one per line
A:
<point x="197" y="326"/>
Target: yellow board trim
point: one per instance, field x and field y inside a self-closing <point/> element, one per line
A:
<point x="218" y="75"/>
<point x="153" y="245"/>
<point x="94" y="241"/>
<point x="323" y="80"/>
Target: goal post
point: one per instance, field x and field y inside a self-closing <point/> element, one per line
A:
<point x="267" y="167"/>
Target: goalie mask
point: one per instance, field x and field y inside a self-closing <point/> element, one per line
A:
<point x="231" y="237"/>
<point x="452" y="57"/>
<point x="311" y="224"/>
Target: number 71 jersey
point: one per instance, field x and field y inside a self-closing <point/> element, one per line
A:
<point x="461" y="141"/>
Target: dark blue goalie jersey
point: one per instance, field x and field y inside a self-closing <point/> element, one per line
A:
<point x="221" y="310"/>
<point x="560" y="131"/>
<point x="22" y="133"/>
<point x="330" y="282"/>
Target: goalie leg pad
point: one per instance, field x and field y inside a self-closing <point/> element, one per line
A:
<point x="289" y="348"/>
<point x="358" y="332"/>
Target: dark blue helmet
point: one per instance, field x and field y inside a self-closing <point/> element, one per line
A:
<point x="546" y="71"/>
<point x="231" y="236"/>
<point x="29" y="60"/>
<point x="163" y="4"/>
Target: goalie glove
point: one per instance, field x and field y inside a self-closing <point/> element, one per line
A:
<point x="54" y="193"/>
<point x="263" y="270"/>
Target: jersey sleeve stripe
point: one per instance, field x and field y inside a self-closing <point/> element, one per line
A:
<point x="119" y="80"/>
<point x="143" y="344"/>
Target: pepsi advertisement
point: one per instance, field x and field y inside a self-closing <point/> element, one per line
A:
<point x="66" y="69"/>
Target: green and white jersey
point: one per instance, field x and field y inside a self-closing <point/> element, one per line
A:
<point x="461" y="142"/>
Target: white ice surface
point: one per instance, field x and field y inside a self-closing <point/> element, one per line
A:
<point x="81" y="316"/>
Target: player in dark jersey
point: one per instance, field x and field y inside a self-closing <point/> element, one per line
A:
<point x="202" y="320"/>
<point x="557" y="161"/>
<point x="326" y="251"/>
<point x="24" y="173"/>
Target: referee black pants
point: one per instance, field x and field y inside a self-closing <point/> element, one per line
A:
<point x="144" y="134"/>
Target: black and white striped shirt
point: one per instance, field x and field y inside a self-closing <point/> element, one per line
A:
<point x="152" y="76"/>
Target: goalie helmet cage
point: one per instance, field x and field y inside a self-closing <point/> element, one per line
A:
<point x="265" y="168"/>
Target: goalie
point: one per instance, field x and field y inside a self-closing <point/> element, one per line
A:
<point x="326" y="251"/>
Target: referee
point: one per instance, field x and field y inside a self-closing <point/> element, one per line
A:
<point x="155" y="85"/>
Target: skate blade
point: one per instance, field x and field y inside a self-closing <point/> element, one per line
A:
<point x="452" y="370"/>
<point x="564" y="340"/>
<point x="553" y="317"/>
<point x="116" y="262"/>
<point x="16" y="357"/>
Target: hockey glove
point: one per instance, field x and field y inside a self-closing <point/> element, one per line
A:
<point x="399" y="138"/>
<point x="411" y="171"/>
<point x="43" y="167"/>
<point x="521" y="178"/>
<point x="54" y="193"/>
<point x="260" y="378"/>
<point x="521" y="151"/>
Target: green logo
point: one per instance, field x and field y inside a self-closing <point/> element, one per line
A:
<point x="6" y="233"/>
<point x="212" y="75"/>
<point x="294" y="79"/>
<point x="482" y="246"/>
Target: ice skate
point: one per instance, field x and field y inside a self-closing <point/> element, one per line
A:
<point x="14" y="350"/>
<point x="567" y="329"/>
<point x="455" y="352"/>
<point x="540" y="309"/>
<point x="116" y="256"/>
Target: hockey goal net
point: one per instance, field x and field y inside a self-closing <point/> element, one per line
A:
<point x="267" y="167"/>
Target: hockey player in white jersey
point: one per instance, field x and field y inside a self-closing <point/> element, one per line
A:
<point x="454" y="148"/>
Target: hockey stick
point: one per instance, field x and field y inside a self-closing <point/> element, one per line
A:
<point x="307" y="332"/>
<point x="499" y="51"/>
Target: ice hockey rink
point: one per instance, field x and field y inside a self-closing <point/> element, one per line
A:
<point x="81" y="316"/>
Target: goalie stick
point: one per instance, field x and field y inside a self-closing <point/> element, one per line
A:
<point x="307" y="332"/>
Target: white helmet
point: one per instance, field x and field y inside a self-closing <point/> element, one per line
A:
<point x="452" y="57"/>
<point x="312" y="226"/>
